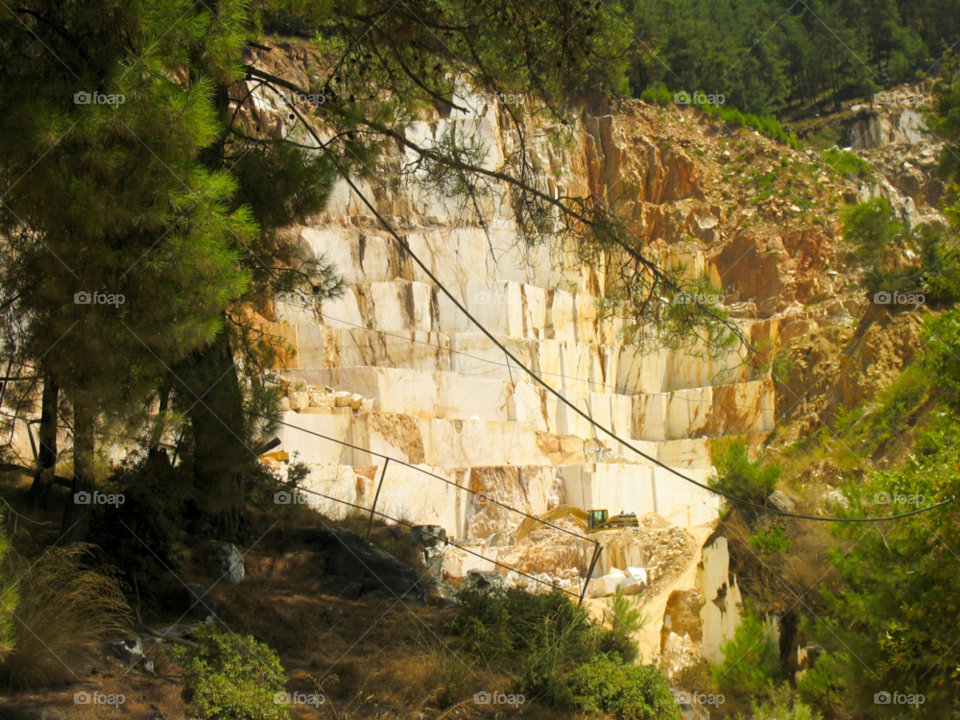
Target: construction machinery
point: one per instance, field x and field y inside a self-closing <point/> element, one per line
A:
<point x="590" y="520"/>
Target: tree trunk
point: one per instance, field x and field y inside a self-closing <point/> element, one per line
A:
<point x="221" y="458"/>
<point x="76" y="519"/>
<point x="47" y="454"/>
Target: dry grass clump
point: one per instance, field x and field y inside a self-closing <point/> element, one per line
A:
<point x="65" y="610"/>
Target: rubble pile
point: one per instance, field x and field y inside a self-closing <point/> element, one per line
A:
<point x="303" y="398"/>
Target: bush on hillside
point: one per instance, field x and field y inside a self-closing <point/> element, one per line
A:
<point x="608" y="686"/>
<point x="750" y="660"/>
<point x="738" y="475"/>
<point x="232" y="677"/>
<point x="545" y="640"/>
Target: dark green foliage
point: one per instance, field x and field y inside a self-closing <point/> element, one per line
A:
<point x="545" y="639"/>
<point x="750" y="661"/>
<point x="740" y="476"/>
<point x="896" y="609"/>
<point x="771" y="541"/>
<point x="142" y="537"/>
<point x="764" y="55"/>
<point x="232" y="677"/>
<point x="627" y="692"/>
<point x="885" y="248"/>
<point x="847" y="162"/>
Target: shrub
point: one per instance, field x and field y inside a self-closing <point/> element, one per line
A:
<point x="540" y="639"/>
<point x="750" y="660"/>
<point x="229" y="677"/>
<point x="740" y="476"/>
<point x="626" y="691"/>
<point x="9" y="597"/>
<point x="143" y="537"/>
<point x="771" y="541"/>
<point x="783" y="705"/>
<point x="625" y="618"/>
<point x="65" y="610"/>
<point x="658" y="94"/>
<point x="848" y="163"/>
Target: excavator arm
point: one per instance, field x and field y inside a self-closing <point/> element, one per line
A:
<point x="529" y="524"/>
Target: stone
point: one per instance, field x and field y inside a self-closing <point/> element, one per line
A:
<point x="429" y="535"/>
<point x="350" y="559"/>
<point x="432" y="540"/>
<point x="198" y="603"/>
<point x="781" y="501"/>
<point x="130" y="654"/>
<point x="231" y="563"/>
<point x="356" y="401"/>
<point x="483" y="582"/>
<point x="342" y="399"/>
<point x="322" y="400"/>
<point x="298" y="400"/>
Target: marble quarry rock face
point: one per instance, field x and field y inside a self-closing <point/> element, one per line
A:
<point x="393" y="369"/>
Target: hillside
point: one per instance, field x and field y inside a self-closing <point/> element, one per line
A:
<point x="468" y="403"/>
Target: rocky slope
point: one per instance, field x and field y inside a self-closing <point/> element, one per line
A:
<point x="393" y="369"/>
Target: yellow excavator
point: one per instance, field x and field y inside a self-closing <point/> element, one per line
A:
<point x="590" y="520"/>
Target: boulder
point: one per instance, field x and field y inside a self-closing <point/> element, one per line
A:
<point x="231" y="563"/>
<point x="298" y="400"/>
<point x="130" y="654"/>
<point x="782" y="502"/>
<point x="351" y="559"/>
<point x="483" y="582"/>
<point x="432" y="540"/>
<point x="198" y="603"/>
